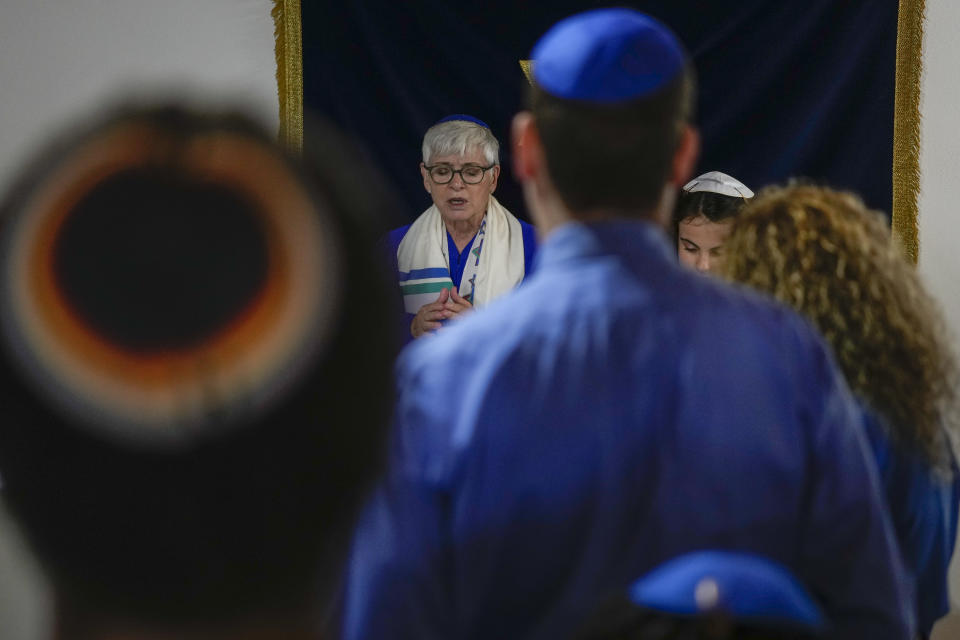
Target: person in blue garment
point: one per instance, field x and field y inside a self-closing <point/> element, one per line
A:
<point x="617" y="410"/>
<point x="710" y="595"/>
<point x="825" y="254"/>
<point x="706" y="207"/>
<point x="466" y="249"/>
<point x="181" y="443"/>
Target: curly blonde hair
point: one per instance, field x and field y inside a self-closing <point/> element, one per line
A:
<point x="829" y="257"/>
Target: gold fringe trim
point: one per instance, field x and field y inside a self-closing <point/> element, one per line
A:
<point x="906" y="127"/>
<point x="527" y="67"/>
<point x="288" y="35"/>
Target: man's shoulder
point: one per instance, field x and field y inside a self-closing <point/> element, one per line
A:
<point x="690" y="307"/>
<point x="729" y="344"/>
<point x="732" y="316"/>
<point x="738" y="302"/>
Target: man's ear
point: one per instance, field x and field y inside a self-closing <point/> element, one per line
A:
<point x="426" y="177"/>
<point x="495" y="171"/>
<point x="685" y="157"/>
<point x="527" y="150"/>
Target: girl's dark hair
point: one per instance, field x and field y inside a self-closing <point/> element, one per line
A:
<point x="715" y="207"/>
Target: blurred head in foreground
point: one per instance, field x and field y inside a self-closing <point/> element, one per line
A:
<point x="703" y="216"/>
<point x="182" y="441"/>
<point x="710" y="595"/>
<point x="825" y="254"/>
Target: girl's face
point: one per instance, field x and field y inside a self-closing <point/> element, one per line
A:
<point x="700" y="243"/>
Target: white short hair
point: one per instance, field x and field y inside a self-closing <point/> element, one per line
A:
<point x="459" y="137"/>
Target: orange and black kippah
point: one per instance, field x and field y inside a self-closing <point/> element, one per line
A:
<point x="158" y="286"/>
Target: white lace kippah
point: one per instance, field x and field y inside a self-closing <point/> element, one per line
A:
<point x="718" y="182"/>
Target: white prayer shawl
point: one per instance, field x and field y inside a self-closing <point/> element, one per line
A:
<point x="494" y="267"/>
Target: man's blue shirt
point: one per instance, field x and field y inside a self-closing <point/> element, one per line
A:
<point x="611" y="413"/>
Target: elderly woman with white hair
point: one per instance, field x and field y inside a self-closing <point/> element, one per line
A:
<point x="466" y="249"/>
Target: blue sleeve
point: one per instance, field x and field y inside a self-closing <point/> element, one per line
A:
<point x="923" y="508"/>
<point x="399" y="576"/>
<point x="850" y="557"/>
<point x="932" y="521"/>
<point x="388" y="250"/>
<point x="529" y="247"/>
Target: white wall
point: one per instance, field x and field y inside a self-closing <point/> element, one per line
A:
<point x="60" y="59"/>
<point x="940" y="158"/>
<point x="940" y="176"/>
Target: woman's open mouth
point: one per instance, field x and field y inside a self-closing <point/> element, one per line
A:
<point x="457" y="202"/>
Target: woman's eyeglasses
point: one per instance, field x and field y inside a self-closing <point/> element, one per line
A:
<point x="469" y="173"/>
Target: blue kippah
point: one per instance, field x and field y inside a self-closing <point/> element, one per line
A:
<point x="464" y="117"/>
<point x="607" y="56"/>
<point x="745" y="587"/>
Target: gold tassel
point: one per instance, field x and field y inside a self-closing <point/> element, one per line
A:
<point x="289" y="53"/>
<point x="527" y="67"/>
<point x="906" y="127"/>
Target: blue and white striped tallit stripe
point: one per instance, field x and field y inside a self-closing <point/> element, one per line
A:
<point x="422" y="286"/>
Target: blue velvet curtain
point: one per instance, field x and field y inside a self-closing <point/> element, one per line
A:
<point x="786" y="88"/>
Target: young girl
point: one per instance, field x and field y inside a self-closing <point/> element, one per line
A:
<point x="705" y="210"/>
